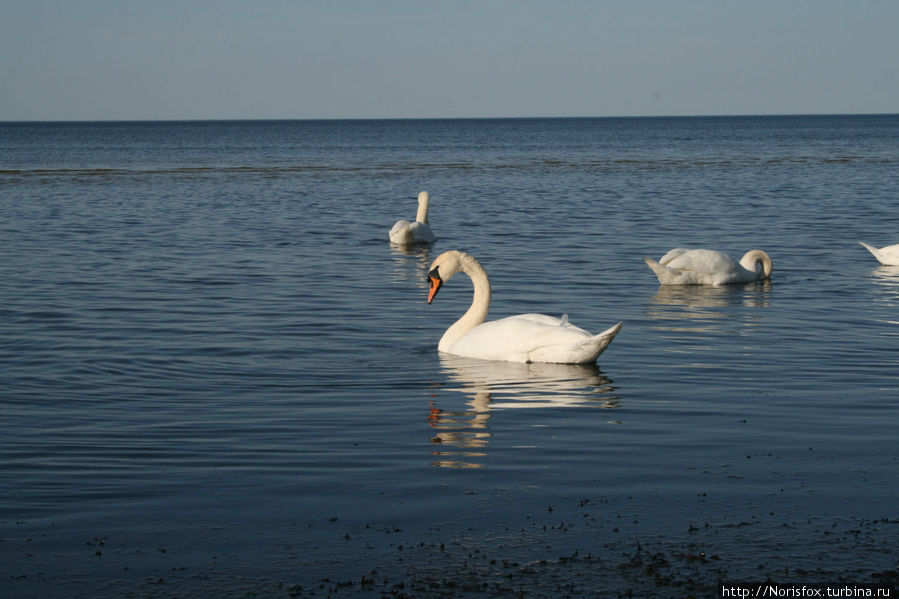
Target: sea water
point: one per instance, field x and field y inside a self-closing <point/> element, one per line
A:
<point x="218" y="377"/>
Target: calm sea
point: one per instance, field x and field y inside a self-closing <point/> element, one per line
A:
<point x="218" y="378"/>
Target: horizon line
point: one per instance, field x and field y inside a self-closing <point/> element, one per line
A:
<point x="438" y="118"/>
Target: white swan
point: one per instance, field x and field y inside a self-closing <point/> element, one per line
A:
<point x="522" y="338"/>
<point x="406" y="233"/>
<point x="708" y="267"/>
<point x="888" y="256"/>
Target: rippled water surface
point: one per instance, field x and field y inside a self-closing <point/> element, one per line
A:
<point x="219" y="378"/>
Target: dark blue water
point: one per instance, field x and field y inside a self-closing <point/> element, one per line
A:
<point x="218" y="378"/>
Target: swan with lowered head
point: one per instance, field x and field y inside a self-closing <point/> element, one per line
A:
<point x="406" y="233"/>
<point x="709" y="267"/>
<point x="521" y="338"/>
<point x="888" y="256"/>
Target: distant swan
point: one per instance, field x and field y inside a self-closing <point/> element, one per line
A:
<point x="888" y="256"/>
<point x="406" y="233"/>
<point x="522" y="338"/>
<point x="708" y="267"/>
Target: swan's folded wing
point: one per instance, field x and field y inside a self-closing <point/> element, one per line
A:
<point x="580" y="352"/>
<point x="672" y="254"/>
<point x="514" y="338"/>
<point x="889" y="255"/>
<point x="539" y="318"/>
<point x="421" y="233"/>
<point x="400" y="232"/>
<point x="704" y="261"/>
<point x="405" y="233"/>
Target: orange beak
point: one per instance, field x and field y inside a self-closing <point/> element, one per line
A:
<point x="435" y="283"/>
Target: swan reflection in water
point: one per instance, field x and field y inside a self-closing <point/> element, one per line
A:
<point x="705" y="308"/>
<point x="493" y="385"/>
<point x="886" y="279"/>
<point x="410" y="264"/>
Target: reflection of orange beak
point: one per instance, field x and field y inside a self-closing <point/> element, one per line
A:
<point x="435" y="283"/>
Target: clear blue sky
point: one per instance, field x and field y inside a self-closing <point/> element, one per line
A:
<point x="215" y="59"/>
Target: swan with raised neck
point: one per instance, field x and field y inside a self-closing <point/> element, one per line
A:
<point x="682" y="266"/>
<point x="442" y="270"/>
<point x="424" y="198"/>
<point x="521" y="338"/>
<point x="405" y="233"/>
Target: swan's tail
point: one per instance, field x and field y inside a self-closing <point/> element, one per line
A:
<point x="665" y="274"/>
<point x="871" y="249"/>
<point x="588" y="350"/>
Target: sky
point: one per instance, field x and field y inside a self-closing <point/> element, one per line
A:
<point x="336" y="59"/>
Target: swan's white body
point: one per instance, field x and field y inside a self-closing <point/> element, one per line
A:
<point x="522" y="338"/>
<point x="708" y="267"/>
<point x="888" y="256"/>
<point x="406" y="233"/>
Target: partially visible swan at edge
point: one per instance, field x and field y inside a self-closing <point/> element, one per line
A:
<point x="888" y="256"/>
<point x="406" y="233"/>
<point x="522" y="338"/>
<point x="709" y="267"/>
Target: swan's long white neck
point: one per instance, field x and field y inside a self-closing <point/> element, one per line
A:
<point x="753" y="258"/>
<point x="480" y="303"/>
<point x="422" y="215"/>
